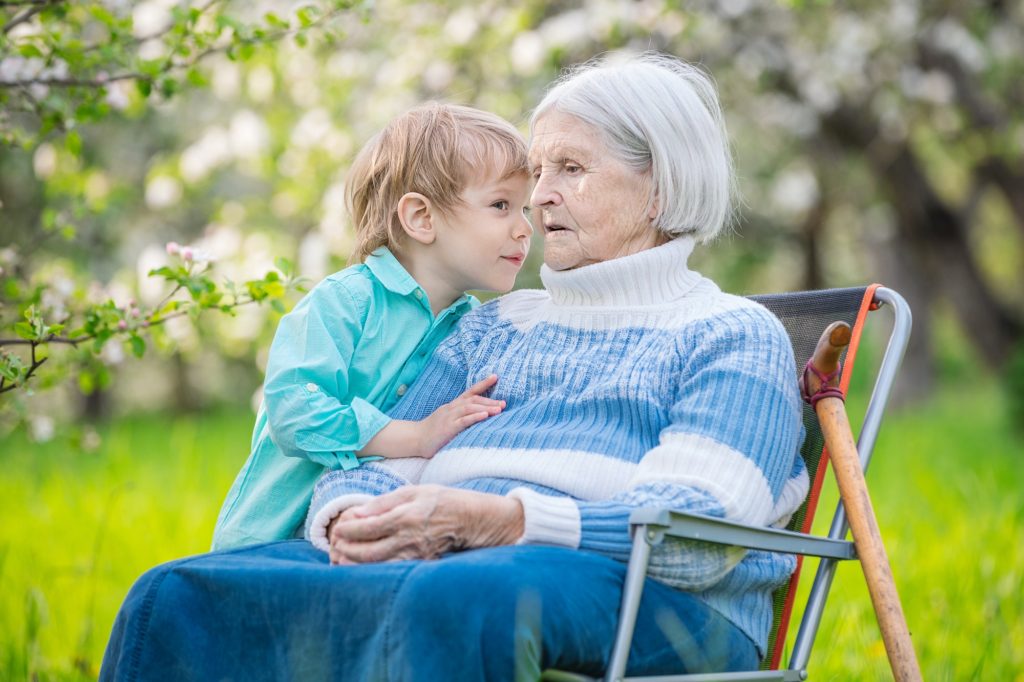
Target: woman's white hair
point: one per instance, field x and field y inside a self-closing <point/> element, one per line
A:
<point x="658" y="114"/>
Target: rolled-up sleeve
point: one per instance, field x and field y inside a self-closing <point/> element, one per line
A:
<point x="306" y="392"/>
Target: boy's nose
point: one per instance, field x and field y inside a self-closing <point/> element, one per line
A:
<point x="524" y="228"/>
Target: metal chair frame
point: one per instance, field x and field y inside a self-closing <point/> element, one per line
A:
<point x="650" y="526"/>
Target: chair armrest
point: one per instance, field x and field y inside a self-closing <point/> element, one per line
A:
<point x="660" y="522"/>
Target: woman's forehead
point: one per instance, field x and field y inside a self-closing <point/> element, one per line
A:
<point x="557" y="135"/>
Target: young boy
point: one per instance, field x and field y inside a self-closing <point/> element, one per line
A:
<point x="438" y="201"/>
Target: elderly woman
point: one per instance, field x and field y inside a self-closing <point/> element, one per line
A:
<point x="630" y="381"/>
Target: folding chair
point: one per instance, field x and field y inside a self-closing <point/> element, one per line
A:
<point x="804" y="315"/>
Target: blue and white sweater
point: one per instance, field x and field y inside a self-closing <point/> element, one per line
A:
<point x="629" y="383"/>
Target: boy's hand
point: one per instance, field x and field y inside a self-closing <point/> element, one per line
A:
<point x="424" y="438"/>
<point x="452" y="419"/>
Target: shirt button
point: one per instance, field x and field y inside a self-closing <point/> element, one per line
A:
<point x="401" y="390"/>
<point x="312" y="388"/>
<point x="418" y="294"/>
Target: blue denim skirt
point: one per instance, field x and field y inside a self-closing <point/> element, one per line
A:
<point x="280" y="611"/>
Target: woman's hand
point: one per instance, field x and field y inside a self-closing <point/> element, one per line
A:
<point x="423" y="522"/>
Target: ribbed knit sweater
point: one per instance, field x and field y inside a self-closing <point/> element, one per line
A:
<point x="629" y="383"/>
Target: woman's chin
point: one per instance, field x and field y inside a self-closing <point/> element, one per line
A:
<point x="559" y="259"/>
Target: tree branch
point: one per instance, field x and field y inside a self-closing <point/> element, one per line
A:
<point x="34" y="9"/>
<point x="171" y="65"/>
<point x="74" y="341"/>
<point x="36" y="364"/>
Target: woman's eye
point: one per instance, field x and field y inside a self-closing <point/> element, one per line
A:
<point x="572" y="168"/>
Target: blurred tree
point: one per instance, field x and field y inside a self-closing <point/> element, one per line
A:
<point x="879" y="139"/>
<point x="67" y="66"/>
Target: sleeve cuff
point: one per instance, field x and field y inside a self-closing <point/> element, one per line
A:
<point x="548" y="520"/>
<point x="370" y="420"/>
<point x="322" y="519"/>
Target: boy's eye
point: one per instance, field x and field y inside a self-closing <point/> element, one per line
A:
<point x="500" y="205"/>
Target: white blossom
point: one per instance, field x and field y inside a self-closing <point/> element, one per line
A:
<point x="44" y="161"/>
<point x="42" y="428"/>
<point x="163" y="191"/>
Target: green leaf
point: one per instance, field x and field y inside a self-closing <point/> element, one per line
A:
<point x="196" y="78"/>
<point x="86" y="383"/>
<point x="25" y="330"/>
<point x="274" y="289"/>
<point x="284" y="265"/>
<point x="224" y="21"/>
<point x="30" y="50"/>
<point x="138" y="345"/>
<point x="277" y="305"/>
<point x="168" y="86"/>
<point x="164" y="271"/>
<point x="275" y="21"/>
<point x="145" y="86"/>
<point x="305" y="16"/>
<point x="73" y="143"/>
<point x="103" y="14"/>
<point x="210" y="299"/>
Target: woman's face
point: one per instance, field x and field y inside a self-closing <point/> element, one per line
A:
<point x="591" y="206"/>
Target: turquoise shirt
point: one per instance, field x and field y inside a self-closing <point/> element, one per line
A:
<point x="339" y="361"/>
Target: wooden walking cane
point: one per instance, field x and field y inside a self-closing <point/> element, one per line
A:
<point x="820" y="387"/>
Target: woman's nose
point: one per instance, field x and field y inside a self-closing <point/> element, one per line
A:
<point x="543" y="193"/>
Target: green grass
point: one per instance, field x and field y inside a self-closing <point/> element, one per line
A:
<point x="947" y="482"/>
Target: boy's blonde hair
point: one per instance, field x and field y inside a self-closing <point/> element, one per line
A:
<point x="434" y="149"/>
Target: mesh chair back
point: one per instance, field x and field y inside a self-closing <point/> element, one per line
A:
<point x="805" y="316"/>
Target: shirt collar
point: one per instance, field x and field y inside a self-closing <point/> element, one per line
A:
<point x="393" y="275"/>
<point x="386" y="268"/>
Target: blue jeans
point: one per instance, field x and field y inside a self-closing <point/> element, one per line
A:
<point x="280" y="611"/>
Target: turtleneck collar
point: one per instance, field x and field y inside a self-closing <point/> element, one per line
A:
<point x="650" y="277"/>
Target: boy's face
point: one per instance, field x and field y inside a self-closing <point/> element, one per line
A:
<point x="483" y="242"/>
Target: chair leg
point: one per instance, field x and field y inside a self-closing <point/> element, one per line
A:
<point x="636" y="573"/>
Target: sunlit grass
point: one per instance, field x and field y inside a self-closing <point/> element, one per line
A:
<point x="78" y="528"/>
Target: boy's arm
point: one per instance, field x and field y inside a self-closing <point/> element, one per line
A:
<point x="307" y="379"/>
<point x="423" y="438"/>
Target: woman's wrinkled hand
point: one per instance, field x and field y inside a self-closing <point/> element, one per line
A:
<point x="423" y="522"/>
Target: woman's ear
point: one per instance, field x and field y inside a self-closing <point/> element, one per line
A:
<point x="415" y="213"/>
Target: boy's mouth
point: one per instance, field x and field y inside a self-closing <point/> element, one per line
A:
<point x="517" y="259"/>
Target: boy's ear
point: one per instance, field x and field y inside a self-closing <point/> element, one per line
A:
<point x="416" y="213"/>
